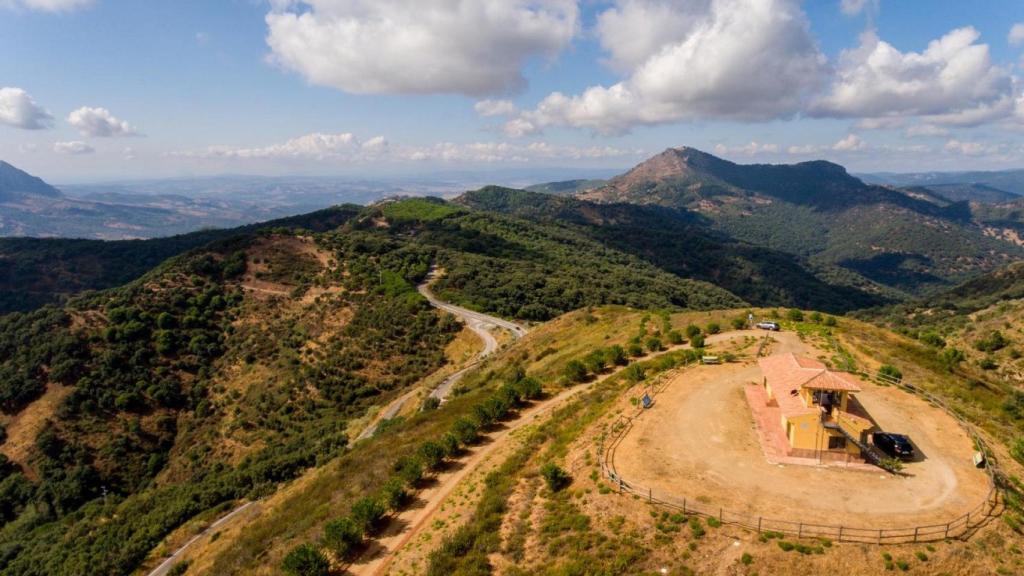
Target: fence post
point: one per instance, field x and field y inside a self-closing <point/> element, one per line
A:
<point x="967" y="524"/>
<point x="840" y="538"/>
<point x="684" y="505"/>
<point x="721" y="515"/>
<point x="758" y="525"/>
<point x="915" y="533"/>
<point x="800" y="530"/>
<point x="649" y="495"/>
<point x="879" y="537"/>
<point x="946" y="533"/>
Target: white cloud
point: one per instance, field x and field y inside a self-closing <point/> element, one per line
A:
<point x="346" y="148"/>
<point x="851" y="143"/>
<point x="473" y="47"/>
<point x="750" y="149"/>
<point x="925" y="130"/>
<point x="99" y="123"/>
<point x="18" y="109"/>
<point x="854" y="7"/>
<point x="968" y="148"/>
<point x="952" y="81"/>
<point x="883" y="123"/>
<point x="1016" y="35"/>
<point x="74" y="148"/>
<point x="490" y="108"/>
<point x="46" y="5"/>
<point x="745" y="60"/>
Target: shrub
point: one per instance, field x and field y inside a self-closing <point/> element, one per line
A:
<point x="674" y="337"/>
<point x="692" y="330"/>
<point x="696" y="528"/>
<point x="714" y="522"/>
<point x="555" y="477"/>
<point x="987" y="363"/>
<point x="951" y="357"/>
<point x="697" y="341"/>
<point x="342" y="536"/>
<point x="932" y="339"/>
<point x="305" y="560"/>
<point x="634" y="373"/>
<point x="739" y="322"/>
<point x="466" y="431"/>
<point x="635" y="350"/>
<point x="595" y="361"/>
<point x="713" y="328"/>
<point x="786" y="546"/>
<point x="529" y="388"/>
<point x="891" y="372"/>
<point x="409" y="469"/>
<point x="575" y="371"/>
<point x="816" y="317"/>
<point x="795" y="314"/>
<point x="991" y="343"/>
<point x="450" y="443"/>
<point x="430" y="403"/>
<point x="367" y="513"/>
<point x="616" y="356"/>
<point x="393" y="494"/>
<point x="921" y="556"/>
<point x="432" y="453"/>
<point x="179" y="569"/>
<point x="830" y="321"/>
<point x="891" y="465"/>
<point x="747" y="559"/>
<point x="654" y="344"/>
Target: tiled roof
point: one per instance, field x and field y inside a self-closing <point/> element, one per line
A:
<point x="788" y="373"/>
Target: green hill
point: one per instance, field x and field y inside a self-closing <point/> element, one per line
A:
<point x="817" y="211"/>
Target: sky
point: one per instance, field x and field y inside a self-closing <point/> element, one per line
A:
<point x="97" y="90"/>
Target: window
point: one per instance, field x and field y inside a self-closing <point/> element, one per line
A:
<point x="836" y="443"/>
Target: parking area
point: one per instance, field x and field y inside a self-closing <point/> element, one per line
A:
<point x="699" y="441"/>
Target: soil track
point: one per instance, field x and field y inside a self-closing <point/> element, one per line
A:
<point x="699" y="442"/>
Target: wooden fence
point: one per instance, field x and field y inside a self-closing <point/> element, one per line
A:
<point x="961" y="527"/>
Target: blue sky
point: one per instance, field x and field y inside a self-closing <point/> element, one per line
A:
<point x="107" y="89"/>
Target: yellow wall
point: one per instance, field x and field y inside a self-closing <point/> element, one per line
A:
<point x="804" y="431"/>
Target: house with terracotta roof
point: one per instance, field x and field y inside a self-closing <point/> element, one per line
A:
<point x="818" y="409"/>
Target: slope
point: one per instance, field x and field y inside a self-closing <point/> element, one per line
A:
<point x="818" y="211"/>
<point x="679" y="241"/>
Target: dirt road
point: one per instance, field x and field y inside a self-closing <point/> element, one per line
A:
<point x="169" y="563"/>
<point x="699" y="442"/>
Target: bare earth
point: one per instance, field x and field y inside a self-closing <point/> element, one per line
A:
<point x="699" y="442"/>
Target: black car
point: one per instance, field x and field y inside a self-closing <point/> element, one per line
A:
<point x="895" y="445"/>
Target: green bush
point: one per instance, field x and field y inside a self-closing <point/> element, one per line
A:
<point x="696" y="528"/>
<point x="466" y="431"/>
<point x="674" y="337"/>
<point x="393" y="494"/>
<point x="891" y="465"/>
<point x="891" y="372"/>
<point x="634" y="373"/>
<point x="635" y="350"/>
<point x="795" y="314"/>
<point x="367" y="513"/>
<point x="555" y="477"/>
<point x="430" y="403"/>
<point x="575" y="371"/>
<point x="410" y="469"/>
<point x="697" y="341"/>
<point x="991" y="343"/>
<point x="616" y="356"/>
<point x="746" y="559"/>
<point x="692" y="330"/>
<point x="432" y="454"/>
<point x="342" y="536"/>
<point x="654" y="344"/>
<point x="305" y="560"/>
<point x="739" y="322"/>
<point x="713" y="328"/>
<point x="179" y="569"/>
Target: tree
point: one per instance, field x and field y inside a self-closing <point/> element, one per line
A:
<point x="692" y="330"/>
<point x="636" y="350"/>
<point x="713" y="328"/>
<point x="654" y="344"/>
<point x="795" y="314"/>
<point x="432" y="454"/>
<point x="556" y="478"/>
<point x="675" y="338"/>
<point x="466" y="431"/>
<point x="616" y="356"/>
<point x="575" y="371"/>
<point x="595" y="361"/>
<point x="393" y="494"/>
<point x="430" y="403"/>
<point x="342" y="536"/>
<point x="697" y="341"/>
<point x="305" y="560"/>
<point x="367" y="513"/>
<point x="634" y="373"/>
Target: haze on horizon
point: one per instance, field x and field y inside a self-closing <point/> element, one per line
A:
<point x="97" y="90"/>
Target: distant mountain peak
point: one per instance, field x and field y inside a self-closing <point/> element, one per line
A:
<point x="16" y="182"/>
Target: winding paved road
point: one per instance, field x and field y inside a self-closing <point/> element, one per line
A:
<point x="481" y="324"/>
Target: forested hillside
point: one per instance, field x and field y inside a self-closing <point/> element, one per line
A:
<point x="37" y="271"/>
<point x="681" y="242"/>
<point x="818" y="211"/>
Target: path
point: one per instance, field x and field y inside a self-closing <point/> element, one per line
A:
<point x="481" y="324"/>
<point x="169" y="563"/>
<point x="412" y="521"/>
